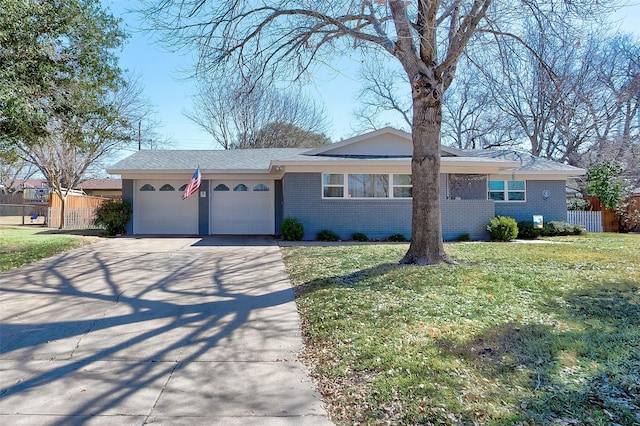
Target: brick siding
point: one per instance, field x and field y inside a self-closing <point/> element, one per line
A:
<point x="376" y="218"/>
<point x="553" y="208"/>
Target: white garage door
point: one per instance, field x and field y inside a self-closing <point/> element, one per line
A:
<point x="158" y="208"/>
<point x="242" y="207"/>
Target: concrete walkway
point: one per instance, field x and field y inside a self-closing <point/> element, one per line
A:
<point x="162" y="331"/>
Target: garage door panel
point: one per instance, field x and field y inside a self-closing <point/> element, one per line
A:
<point x="163" y="211"/>
<point x="242" y="212"/>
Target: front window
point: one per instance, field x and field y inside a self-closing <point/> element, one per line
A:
<point x="333" y="185"/>
<point x="361" y="185"/>
<point x="368" y="186"/>
<point x="508" y="190"/>
<point x="402" y="186"/>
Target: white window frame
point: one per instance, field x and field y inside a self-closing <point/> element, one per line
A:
<point x="342" y="185"/>
<point x="371" y="184"/>
<point x="345" y="187"/>
<point x="506" y="191"/>
<point x="394" y="186"/>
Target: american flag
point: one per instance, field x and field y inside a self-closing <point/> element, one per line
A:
<point x="194" y="184"/>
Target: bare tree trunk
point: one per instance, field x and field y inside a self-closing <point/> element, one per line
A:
<point x="63" y="205"/>
<point x="426" y="246"/>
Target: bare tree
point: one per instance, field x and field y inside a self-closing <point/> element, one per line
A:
<point x="241" y="113"/>
<point x="14" y="172"/>
<point x="138" y="120"/>
<point x="287" y="38"/>
<point x="381" y="92"/>
<point x="285" y="135"/>
<point x="472" y="119"/>
<point x="75" y="143"/>
<point x="617" y="105"/>
<point x="527" y="79"/>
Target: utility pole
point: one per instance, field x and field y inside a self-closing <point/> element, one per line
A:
<point x="139" y="135"/>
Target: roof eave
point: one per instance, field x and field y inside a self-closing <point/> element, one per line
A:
<point x="447" y="161"/>
<point x="565" y="173"/>
<point x="185" y="171"/>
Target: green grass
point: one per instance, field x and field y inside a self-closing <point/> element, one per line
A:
<point x="530" y="334"/>
<point x="22" y="245"/>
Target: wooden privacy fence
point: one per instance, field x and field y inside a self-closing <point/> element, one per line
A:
<point x="75" y="201"/>
<point x="609" y="218"/>
<point x="74" y="218"/>
<point x="592" y="221"/>
<point x="79" y="211"/>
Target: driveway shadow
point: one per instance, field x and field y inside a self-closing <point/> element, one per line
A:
<point x="141" y="316"/>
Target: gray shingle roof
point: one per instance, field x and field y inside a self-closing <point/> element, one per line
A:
<point x="527" y="161"/>
<point x="260" y="160"/>
<point x="185" y="160"/>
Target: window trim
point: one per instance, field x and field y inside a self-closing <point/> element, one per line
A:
<point x="342" y="185"/>
<point x="370" y="181"/>
<point x="393" y="186"/>
<point x="345" y="187"/>
<point x="506" y="191"/>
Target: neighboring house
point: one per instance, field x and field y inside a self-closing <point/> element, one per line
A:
<point x="24" y="191"/>
<point x="362" y="184"/>
<point x="107" y="188"/>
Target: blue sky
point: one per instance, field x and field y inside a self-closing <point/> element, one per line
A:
<point x="170" y="92"/>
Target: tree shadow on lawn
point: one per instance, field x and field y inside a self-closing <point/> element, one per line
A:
<point x="171" y="319"/>
<point x="584" y="369"/>
<point x="77" y="232"/>
<point x="351" y="279"/>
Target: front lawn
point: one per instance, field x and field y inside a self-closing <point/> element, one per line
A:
<point x="20" y="245"/>
<point x="516" y="333"/>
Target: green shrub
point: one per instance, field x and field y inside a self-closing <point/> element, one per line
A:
<point x="291" y="229"/>
<point x="359" y="236"/>
<point x="113" y="216"/>
<point x="578" y="204"/>
<point x="398" y="238"/>
<point x="327" y="235"/>
<point x="503" y="228"/>
<point x="528" y="230"/>
<point x="558" y="228"/>
<point x="464" y="237"/>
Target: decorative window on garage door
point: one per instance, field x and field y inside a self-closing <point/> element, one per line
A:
<point x="147" y="187"/>
<point x="221" y="187"/>
<point x="167" y="187"/>
<point x="183" y="187"/>
<point x="261" y="187"/>
<point x="241" y="188"/>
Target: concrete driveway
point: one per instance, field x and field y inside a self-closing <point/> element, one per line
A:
<point x="162" y="331"/>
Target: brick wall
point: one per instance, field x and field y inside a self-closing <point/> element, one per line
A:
<point x="466" y="217"/>
<point x="553" y="208"/>
<point x="376" y="218"/>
